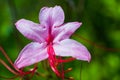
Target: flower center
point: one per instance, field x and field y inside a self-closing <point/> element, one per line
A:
<point x="53" y="61"/>
<point x="49" y="39"/>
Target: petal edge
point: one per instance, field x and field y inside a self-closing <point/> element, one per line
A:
<point x="30" y="54"/>
<point x="31" y="30"/>
<point x="69" y="47"/>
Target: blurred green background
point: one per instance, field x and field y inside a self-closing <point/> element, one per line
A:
<point x="100" y="33"/>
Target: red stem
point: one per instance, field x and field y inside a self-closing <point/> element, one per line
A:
<point x="6" y="56"/>
<point x="11" y="70"/>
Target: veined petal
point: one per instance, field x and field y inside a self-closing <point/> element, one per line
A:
<point x="31" y="30"/>
<point x="32" y="53"/>
<point x="53" y="16"/>
<point x="65" y="31"/>
<point x="57" y="16"/>
<point x="69" y="47"/>
<point x="44" y="16"/>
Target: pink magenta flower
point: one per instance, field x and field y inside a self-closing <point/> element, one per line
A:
<point x="50" y="39"/>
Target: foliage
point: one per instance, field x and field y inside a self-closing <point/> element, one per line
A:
<point x="101" y="28"/>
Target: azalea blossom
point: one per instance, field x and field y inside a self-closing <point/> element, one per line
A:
<point x="50" y="38"/>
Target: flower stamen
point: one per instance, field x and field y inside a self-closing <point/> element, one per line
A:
<point x="52" y="59"/>
<point x="16" y="71"/>
<point x="67" y="60"/>
<point x="11" y="70"/>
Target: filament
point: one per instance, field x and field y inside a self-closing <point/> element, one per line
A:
<point x="52" y="59"/>
<point x="22" y="73"/>
<point x="33" y="70"/>
<point x="11" y="70"/>
<point x="62" y="69"/>
<point x="67" y="60"/>
<point x="98" y="46"/>
<point x="54" y="62"/>
<point x="6" y="56"/>
<point x="18" y="72"/>
<point x="9" y="78"/>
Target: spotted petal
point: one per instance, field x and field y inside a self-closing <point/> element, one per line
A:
<point x="53" y="16"/>
<point x="69" y="47"/>
<point x="31" y="30"/>
<point x="32" y="53"/>
<point x="65" y="31"/>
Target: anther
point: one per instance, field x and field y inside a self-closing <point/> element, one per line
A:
<point x="71" y="78"/>
<point x="68" y="70"/>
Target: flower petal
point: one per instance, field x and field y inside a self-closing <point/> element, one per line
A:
<point x="69" y="47"/>
<point x="31" y="30"/>
<point x="51" y="16"/>
<point x="65" y="31"/>
<point x="32" y="53"/>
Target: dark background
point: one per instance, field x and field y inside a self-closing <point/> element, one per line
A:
<point x="100" y="33"/>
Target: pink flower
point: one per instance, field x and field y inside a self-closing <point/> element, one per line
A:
<point x="50" y="39"/>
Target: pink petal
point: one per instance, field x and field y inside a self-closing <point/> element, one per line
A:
<point x="32" y="53"/>
<point x="31" y="30"/>
<point x="69" y="47"/>
<point x="53" y="16"/>
<point x="65" y="31"/>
